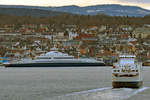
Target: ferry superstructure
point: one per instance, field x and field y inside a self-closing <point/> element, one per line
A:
<point x="55" y="58"/>
<point x="127" y="72"/>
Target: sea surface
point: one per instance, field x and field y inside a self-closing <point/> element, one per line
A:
<point x="67" y="83"/>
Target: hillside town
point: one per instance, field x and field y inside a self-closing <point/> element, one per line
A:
<point x="30" y="40"/>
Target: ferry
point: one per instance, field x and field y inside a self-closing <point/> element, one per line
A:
<point x="54" y="58"/>
<point x="127" y="72"/>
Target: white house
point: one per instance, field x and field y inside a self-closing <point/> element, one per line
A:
<point x="72" y="35"/>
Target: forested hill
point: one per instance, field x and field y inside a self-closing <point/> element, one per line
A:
<point x="29" y="12"/>
<point x="111" y="10"/>
<point x="79" y="20"/>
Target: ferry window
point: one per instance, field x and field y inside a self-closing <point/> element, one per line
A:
<point x="43" y="57"/>
<point x="63" y="57"/>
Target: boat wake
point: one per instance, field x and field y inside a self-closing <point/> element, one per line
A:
<point x="102" y="94"/>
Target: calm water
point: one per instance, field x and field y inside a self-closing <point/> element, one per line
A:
<point x="84" y="83"/>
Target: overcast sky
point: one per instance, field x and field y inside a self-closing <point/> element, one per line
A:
<point x="141" y="3"/>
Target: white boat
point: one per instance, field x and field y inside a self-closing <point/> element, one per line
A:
<point x="54" y="58"/>
<point x="127" y="72"/>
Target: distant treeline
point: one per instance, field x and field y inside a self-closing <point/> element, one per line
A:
<point x="79" y="20"/>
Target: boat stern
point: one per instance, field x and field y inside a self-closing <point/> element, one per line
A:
<point x="132" y="84"/>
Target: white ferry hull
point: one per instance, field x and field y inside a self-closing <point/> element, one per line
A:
<point x="127" y="80"/>
<point x="54" y="65"/>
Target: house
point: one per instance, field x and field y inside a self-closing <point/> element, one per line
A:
<point x="141" y="32"/>
<point x="148" y="55"/>
<point x="126" y="28"/>
<point x="102" y="28"/>
<point x="73" y="43"/>
<point x="87" y="37"/>
<point x="72" y="35"/>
